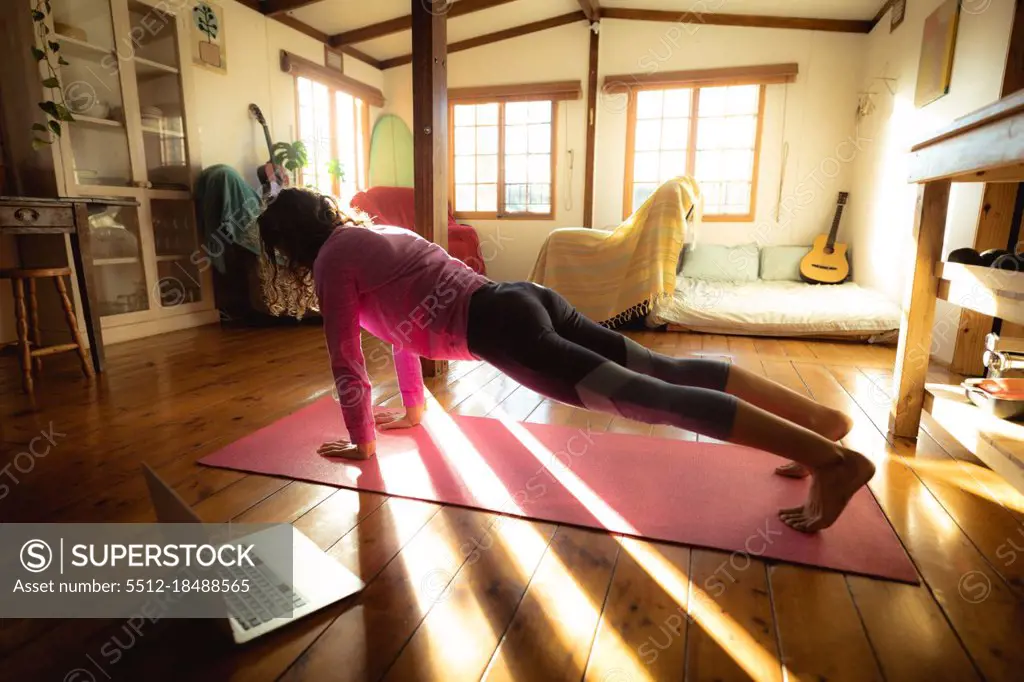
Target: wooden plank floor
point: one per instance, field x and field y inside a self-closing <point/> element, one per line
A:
<point x="456" y="594"/>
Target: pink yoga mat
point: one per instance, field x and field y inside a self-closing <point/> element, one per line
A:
<point x="719" y="496"/>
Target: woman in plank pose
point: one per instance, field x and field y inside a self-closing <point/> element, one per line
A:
<point x="410" y="293"/>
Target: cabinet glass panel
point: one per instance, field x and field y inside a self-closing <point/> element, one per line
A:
<point x="157" y="68"/>
<point x="117" y="257"/>
<point x="92" y="92"/>
<point x="176" y="242"/>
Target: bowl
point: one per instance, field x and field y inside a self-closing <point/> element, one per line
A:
<point x="99" y="109"/>
<point x="1003" y="398"/>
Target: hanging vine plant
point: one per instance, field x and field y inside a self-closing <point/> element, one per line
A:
<point x="47" y="52"/>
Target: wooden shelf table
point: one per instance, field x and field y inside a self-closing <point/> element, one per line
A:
<point x="984" y="146"/>
<point x="32" y="216"/>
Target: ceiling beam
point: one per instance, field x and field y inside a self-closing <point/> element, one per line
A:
<point x="881" y="12"/>
<point x="399" y="24"/>
<point x="273" y="8"/>
<point x="592" y="8"/>
<point x="751" y="20"/>
<point x="515" y="32"/>
<point x="302" y="27"/>
<point x="308" y="30"/>
<point x="384" y="28"/>
<point x="323" y="38"/>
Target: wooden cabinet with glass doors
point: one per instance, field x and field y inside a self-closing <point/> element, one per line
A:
<point x="127" y="82"/>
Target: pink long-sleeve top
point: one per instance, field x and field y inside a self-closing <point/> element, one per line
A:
<point x="402" y="289"/>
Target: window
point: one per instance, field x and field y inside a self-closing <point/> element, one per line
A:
<point x="503" y="162"/>
<point x="334" y="126"/>
<point x="711" y="132"/>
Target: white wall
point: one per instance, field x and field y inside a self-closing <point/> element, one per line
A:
<point x="818" y="110"/>
<point x="227" y="134"/>
<point x="510" y="247"/>
<point x="882" y="206"/>
<point x="814" y="115"/>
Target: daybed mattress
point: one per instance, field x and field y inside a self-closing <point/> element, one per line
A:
<point x="783" y="308"/>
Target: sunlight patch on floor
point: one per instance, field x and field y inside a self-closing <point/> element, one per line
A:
<point x="755" y="660"/>
<point x="430" y="587"/>
<point x="940" y="518"/>
<point x="977" y="480"/>
<point x="987" y="436"/>
<point x="457" y="615"/>
<point x="408" y="468"/>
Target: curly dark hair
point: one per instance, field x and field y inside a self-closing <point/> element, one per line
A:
<point x="293" y="228"/>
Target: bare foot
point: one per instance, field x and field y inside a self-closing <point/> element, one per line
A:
<point x="834" y="426"/>
<point x="831" y="490"/>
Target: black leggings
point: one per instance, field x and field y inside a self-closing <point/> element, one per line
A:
<point x="534" y="336"/>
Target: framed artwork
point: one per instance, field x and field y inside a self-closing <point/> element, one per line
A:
<point x="936" y="66"/>
<point x="333" y="60"/>
<point x="897" y="13"/>
<point x="209" y="48"/>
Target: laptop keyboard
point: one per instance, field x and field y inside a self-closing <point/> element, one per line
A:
<point x="267" y="595"/>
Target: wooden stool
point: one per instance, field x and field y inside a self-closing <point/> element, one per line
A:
<point x="32" y="350"/>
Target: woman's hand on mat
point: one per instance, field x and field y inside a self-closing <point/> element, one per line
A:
<point x="413" y="416"/>
<point x="383" y="415"/>
<point x="346" y="450"/>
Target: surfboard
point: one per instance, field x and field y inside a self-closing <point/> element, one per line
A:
<point x="391" y="162"/>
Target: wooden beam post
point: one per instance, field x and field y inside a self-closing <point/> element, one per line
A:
<point x="995" y="224"/>
<point x="591" y="8"/>
<point x="914" y="351"/>
<point x="430" y="126"/>
<point x="592" y="83"/>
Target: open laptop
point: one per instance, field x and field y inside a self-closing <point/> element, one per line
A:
<point x="317" y="579"/>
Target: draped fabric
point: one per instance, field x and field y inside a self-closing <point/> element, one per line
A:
<point x="227" y="209"/>
<point x="612" y="277"/>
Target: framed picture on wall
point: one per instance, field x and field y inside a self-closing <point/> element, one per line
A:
<point x="898" y="11"/>
<point x="209" y="48"/>
<point x="936" y="66"/>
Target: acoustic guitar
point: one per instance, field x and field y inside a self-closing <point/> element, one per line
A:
<point x="272" y="177"/>
<point x="827" y="262"/>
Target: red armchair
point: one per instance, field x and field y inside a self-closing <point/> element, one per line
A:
<point x="396" y="206"/>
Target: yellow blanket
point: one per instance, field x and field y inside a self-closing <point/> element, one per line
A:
<point x="612" y="277"/>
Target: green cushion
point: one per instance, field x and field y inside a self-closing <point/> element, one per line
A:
<point x="782" y="263"/>
<point x="716" y="262"/>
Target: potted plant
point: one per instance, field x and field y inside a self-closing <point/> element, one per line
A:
<point x="291" y="156"/>
<point x="336" y="170"/>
